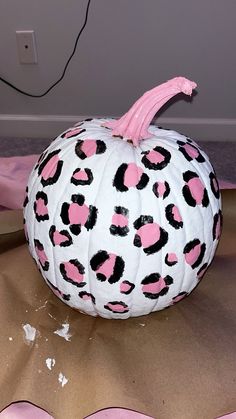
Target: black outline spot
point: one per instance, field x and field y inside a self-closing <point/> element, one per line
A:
<point x="140" y="222"/>
<point x="80" y="269"/>
<point x="168" y="263"/>
<point x="38" y="245"/>
<point x="181" y="294"/>
<point x="97" y="261"/>
<point x="189" y="246"/>
<point x="100" y="148"/>
<point x="170" y="217"/>
<point x="63" y="232"/>
<point x="187" y="176"/>
<point x="156" y="166"/>
<point x="53" y="179"/>
<point x="132" y="286"/>
<point x="199" y="158"/>
<point x="166" y="193"/>
<point x="71" y="130"/>
<point x="118" y="230"/>
<point x="153" y="278"/>
<point x="117" y="302"/>
<point x="80" y="201"/>
<point x="213" y="178"/>
<point x="81" y="181"/>
<point x="217" y="218"/>
<point x="41" y="195"/>
<point x="83" y="293"/>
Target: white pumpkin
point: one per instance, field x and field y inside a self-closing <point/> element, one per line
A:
<point x="123" y="220"/>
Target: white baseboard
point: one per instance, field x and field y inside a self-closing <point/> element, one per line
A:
<point x="49" y="126"/>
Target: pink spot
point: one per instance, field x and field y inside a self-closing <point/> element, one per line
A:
<point x="81" y="175"/>
<point x="86" y="297"/>
<point x="133" y="174"/>
<point x="197" y="189"/>
<point x="215" y="185"/>
<point x="124" y="287"/>
<point x="72" y="272"/>
<point x="155" y="157"/>
<point x="50" y="168"/>
<point x="78" y="214"/>
<point x="171" y="257"/>
<point x="149" y="234"/>
<point x="119" y="220"/>
<point x="73" y="132"/>
<point x="218" y="228"/>
<point x="176" y="214"/>
<point x="154" y="288"/>
<point x="193" y="255"/>
<point x="41" y="255"/>
<point x="202" y="273"/>
<point x="117" y="307"/>
<point x="191" y="151"/>
<point x="41" y="208"/>
<point x="179" y="298"/>
<point x="108" y="266"/>
<point x="89" y="147"/>
<point x="161" y="188"/>
<point x="59" y="238"/>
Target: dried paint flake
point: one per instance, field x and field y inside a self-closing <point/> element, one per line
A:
<point x="64" y="331"/>
<point x="30" y="332"/>
<point x="62" y="379"/>
<point x="50" y="362"/>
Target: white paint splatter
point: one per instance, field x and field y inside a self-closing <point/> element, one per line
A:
<point x="62" y="379"/>
<point x="64" y="331"/>
<point x="50" y="315"/>
<point x="142" y="324"/>
<point x="10" y="338"/>
<point x="50" y="362"/>
<point x="43" y="306"/>
<point x="30" y="332"/>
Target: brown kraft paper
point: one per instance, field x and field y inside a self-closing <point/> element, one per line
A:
<point x="178" y="363"/>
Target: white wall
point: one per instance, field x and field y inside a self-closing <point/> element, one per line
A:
<point x="127" y="47"/>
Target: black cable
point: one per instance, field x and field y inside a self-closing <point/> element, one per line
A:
<point x="65" y="68"/>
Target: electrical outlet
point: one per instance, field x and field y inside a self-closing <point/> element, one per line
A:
<point x="26" y="47"/>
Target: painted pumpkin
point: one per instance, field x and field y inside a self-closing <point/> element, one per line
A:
<point x="123" y="218"/>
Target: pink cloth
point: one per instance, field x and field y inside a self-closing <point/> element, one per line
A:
<point x="117" y="413"/>
<point x="26" y="410"/>
<point x="14" y="173"/>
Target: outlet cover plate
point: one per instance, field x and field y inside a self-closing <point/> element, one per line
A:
<point x="26" y="47"/>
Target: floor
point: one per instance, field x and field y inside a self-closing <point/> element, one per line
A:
<point x="221" y="154"/>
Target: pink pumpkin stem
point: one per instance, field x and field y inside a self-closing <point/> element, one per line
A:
<point x="134" y="124"/>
